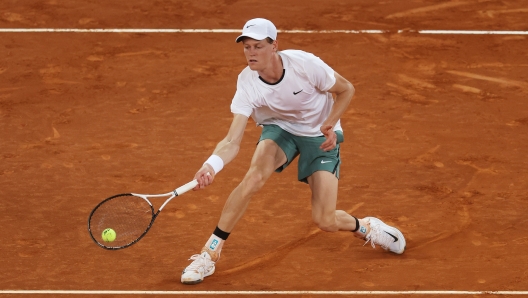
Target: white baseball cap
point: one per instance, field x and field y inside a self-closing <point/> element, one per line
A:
<point x="258" y="29"/>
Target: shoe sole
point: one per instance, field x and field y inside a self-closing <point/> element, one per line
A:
<point x="194" y="282"/>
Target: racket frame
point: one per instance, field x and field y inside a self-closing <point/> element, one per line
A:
<point x="178" y="191"/>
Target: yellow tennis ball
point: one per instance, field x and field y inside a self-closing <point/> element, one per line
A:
<point x="109" y="235"/>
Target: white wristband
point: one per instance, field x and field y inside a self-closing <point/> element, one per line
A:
<point x="216" y="162"/>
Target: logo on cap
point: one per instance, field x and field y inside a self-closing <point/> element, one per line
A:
<point x="258" y="29"/>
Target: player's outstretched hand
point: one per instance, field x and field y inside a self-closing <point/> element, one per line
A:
<point x="331" y="138"/>
<point x="204" y="177"/>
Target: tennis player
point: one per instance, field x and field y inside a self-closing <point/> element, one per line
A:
<point x="288" y="93"/>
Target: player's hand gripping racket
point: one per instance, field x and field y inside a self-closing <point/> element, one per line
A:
<point x="129" y="215"/>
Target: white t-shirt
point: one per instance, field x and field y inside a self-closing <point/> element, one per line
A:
<point x="299" y="103"/>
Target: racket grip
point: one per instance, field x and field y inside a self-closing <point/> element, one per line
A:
<point x="185" y="188"/>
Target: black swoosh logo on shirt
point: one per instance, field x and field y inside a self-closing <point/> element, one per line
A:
<point x="295" y="93"/>
<point x="395" y="238"/>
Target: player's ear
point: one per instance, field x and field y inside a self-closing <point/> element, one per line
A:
<point x="275" y="45"/>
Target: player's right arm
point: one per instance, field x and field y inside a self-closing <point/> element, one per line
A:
<point x="227" y="149"/>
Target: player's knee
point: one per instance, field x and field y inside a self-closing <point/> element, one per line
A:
<point x="253" y="181"/>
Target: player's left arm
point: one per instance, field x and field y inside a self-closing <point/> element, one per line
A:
<point x="344" y="91"/>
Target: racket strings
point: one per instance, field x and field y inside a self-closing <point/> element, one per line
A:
<point x="128" y="215"/>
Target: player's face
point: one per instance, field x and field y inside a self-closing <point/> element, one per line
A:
<point x="258" y="53"/>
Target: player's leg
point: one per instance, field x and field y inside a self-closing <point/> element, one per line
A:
<point x="324" y="198"/>
<point x="268" y="156"/>
<point x="321" y="170"/>
<point x="274" y="152"/>
<point x="324" y="187"/>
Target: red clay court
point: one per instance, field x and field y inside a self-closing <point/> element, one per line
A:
<point x="436" y="143"/>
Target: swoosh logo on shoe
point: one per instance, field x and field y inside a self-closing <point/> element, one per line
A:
<point x="325" y="161"/>
<point x="395" y="238"/>
<point x="295" y="93"/>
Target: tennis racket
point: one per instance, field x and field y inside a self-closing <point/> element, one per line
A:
<point x="128" y="217"/>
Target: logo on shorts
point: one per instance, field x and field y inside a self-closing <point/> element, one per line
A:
<point x="325" y="161"/>
<point x="213" y="244"/>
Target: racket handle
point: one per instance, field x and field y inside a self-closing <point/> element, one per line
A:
<point x="185" y="188"/>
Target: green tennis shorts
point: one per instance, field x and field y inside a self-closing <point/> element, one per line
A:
<point x="311" y="157"/>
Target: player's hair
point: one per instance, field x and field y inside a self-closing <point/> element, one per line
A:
<point x="268" y="39"/>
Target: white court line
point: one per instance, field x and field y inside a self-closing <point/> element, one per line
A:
<point x="80" y="292"/>
<point x="451" y="32"/>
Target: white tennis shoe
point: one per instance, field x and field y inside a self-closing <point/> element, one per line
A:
<point x="201" y="267"/>
<point x="389" y="238"/>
